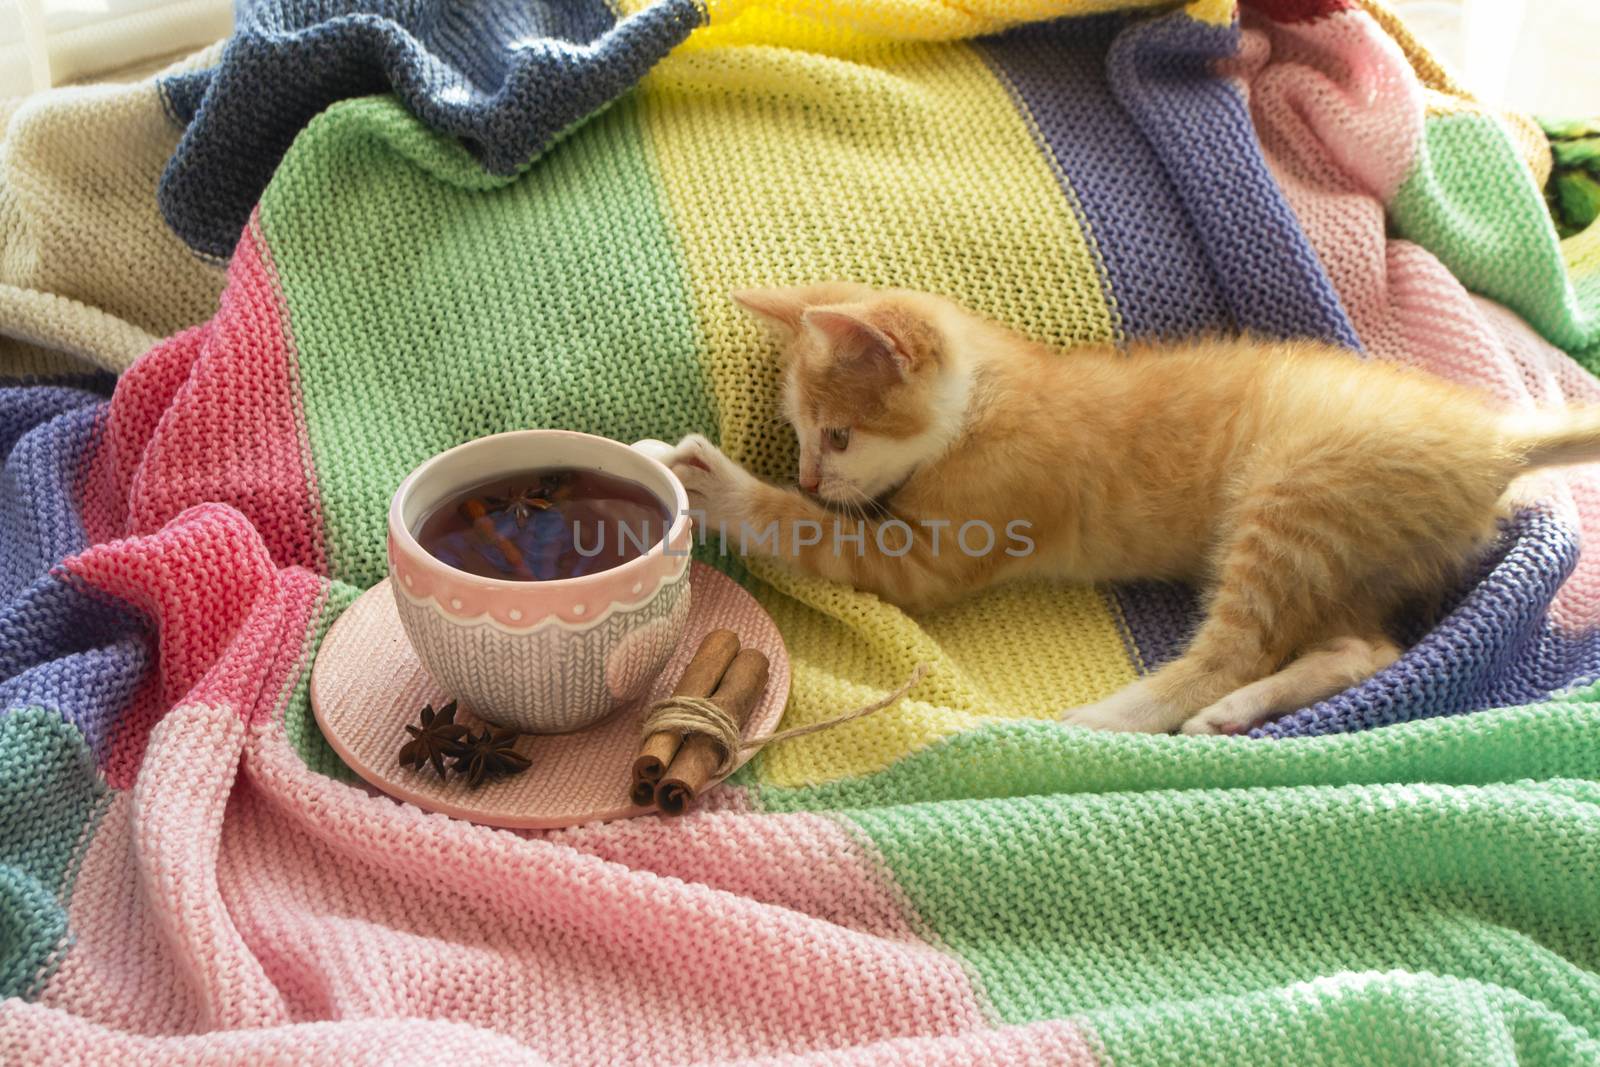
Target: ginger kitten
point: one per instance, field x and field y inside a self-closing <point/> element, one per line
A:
<point x="1307" y="492"/>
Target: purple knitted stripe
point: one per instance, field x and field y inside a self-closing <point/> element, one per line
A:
<point x="70" y="650"/>
<point x="1158" y="618"/>
<point x="1496" y="648"/>
<point x="1155" y="264"/>
<point x="63" y="648"/>
<point x="1199" y="127"/>
<point x="44" y="429"/>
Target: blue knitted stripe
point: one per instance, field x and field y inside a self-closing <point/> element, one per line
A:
<point x="44" y="430"/>
<point x="506" y="77"/>
<point x="1160" y="280"/>
<point x="1158" y="618"/>
<point x="1199" y="127"/>
<point x="63" y="648"/>
<point x="1496" y="647"/>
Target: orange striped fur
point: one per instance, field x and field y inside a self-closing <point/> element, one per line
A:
<point x="1308" y="492"/>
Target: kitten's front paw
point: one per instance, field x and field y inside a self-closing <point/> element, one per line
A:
<point x="718" y="487"/>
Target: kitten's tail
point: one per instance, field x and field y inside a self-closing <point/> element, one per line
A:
<point x="1554" y="437"/>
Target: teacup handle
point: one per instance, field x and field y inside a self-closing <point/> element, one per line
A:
<point x="656" y="450"/>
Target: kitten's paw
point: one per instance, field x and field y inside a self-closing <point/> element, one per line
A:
<point x="1099" y="717"/>
<point x="1225" y="718"/>
<point x="719" y="489"/>
<point x="694" y="452"/>
<point x="1134" y="709"/>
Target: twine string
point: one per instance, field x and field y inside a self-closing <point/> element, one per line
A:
<point x="698" y="715"/>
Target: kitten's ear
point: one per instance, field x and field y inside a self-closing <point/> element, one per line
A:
<point x="888" y="338"/>
<point x="780" y="309"/>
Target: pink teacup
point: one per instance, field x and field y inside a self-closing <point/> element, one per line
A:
<point x="551" y="656"/>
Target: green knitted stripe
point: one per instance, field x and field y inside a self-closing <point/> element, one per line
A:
<point x="50" y="789"/>
<point x="1152" y="883"/>
<point x="1149" y="899"/>
<point x="528" y="289"/>
<point x="1470" y="201"/>
<point x="1127" y="907"/>
<point x="1028" y="758"/>
<point x="1358" y="1019"/>
<point x="299" y="721"/>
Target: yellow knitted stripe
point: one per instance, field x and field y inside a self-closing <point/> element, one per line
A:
<point x="907" y="166"/>
<point x="839" y="26"/>
<point x="913" y="170"/>
<point x="1024" y="651"/>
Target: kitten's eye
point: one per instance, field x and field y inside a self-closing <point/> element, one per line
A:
<point x="838" y="440"/>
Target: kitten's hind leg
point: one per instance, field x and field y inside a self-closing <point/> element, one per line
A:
<point x="1327" y="669"/>
<point x="1134" y="708"/>
<point x="1280" y="578"/>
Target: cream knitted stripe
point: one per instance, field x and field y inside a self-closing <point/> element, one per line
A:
<point x="90" y="275"/>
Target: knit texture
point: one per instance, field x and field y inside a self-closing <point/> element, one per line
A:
<point x="504" y="76"/>
<point x="1407" y="873"/>
<point x="90" y="276"/>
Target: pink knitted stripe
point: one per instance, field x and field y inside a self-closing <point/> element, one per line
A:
<point x="35" y="1034"/>
<point x="360" y="907"/>
<point x="1055" y="1042"/>
<point x="231" y="627"/>
<point x="121" y="971"/>
<point x="214" y="415"/>
<point x="1339" y="113"/>
<point x="232" y="640"/>
<point x="805" y="862"/>
<point x="302" y="898"/>
<point x="172" y="951"/>
<point x="39" y="1035"/>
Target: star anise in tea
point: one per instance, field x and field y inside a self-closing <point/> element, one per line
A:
<point x="521" y="504"/>
<point x="438" y="738"/>
<point x="491" y="754"/>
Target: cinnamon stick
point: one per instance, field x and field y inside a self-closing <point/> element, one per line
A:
<point x="700" y="755"/>
<point x="699" y="679"/>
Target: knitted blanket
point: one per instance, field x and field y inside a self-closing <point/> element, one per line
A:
<point x="90" y="278"/>
<point x="1408" y="873"/>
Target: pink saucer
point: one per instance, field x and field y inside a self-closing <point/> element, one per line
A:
<point x="367" y="684"/>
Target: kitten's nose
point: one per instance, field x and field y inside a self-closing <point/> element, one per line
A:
<point x="810" y="484"/>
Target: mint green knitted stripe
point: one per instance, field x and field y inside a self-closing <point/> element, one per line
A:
<point x="1149" y="885"/>
<point x="1130" y="905"/>
<point x="1559" y="739"/>
<point x="1471" y="201"/>
<point x="1359" y="1019"/>
<point x="547" y="283"/>
<point x="50" y="787"/>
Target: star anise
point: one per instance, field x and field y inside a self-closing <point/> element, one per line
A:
<point x="521" y="504"/>
<point x="491" y="754"/>
<point x="439" y="737"/>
